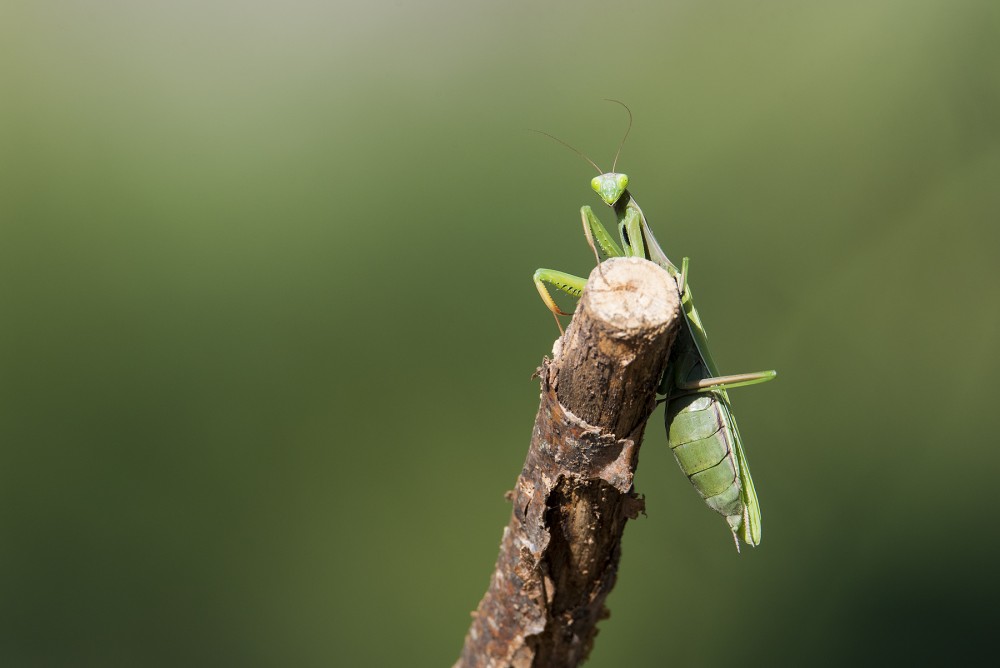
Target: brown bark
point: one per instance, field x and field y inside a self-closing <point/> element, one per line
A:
<point x="559" y="553"/>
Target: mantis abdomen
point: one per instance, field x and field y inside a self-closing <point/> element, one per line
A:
<point x="700" y="434"/>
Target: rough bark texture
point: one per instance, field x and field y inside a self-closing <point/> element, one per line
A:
<point x="559" y="553"/>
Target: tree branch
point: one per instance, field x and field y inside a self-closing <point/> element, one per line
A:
<point x="559" y="553"/>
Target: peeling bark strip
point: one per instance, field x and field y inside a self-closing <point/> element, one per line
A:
<point x="559" y="553"/>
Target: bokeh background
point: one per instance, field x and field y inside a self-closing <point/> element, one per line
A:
<point x="267" y="324"/>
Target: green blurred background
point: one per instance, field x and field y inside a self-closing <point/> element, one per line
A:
<point x="268" y="324"/>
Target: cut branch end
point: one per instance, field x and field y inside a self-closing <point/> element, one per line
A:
<point x="559" y="553"/>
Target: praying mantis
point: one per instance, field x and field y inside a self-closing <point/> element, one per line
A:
<point x="701" y="429"/>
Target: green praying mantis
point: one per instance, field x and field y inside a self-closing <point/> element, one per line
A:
<point x="701" y="430"/>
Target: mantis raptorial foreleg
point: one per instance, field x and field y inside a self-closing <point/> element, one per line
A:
<point x="597" y="235"/>
<point x="568" y="283"/>
<point x="595" y="231"/>
<point x="631" y="233"/>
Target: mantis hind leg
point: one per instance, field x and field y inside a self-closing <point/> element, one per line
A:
<point x="568" y="283"/>
<point x="729" y="382"/>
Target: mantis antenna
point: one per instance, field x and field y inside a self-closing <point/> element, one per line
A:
<point x="593" y="164"/>
<point x="627" y="130"/>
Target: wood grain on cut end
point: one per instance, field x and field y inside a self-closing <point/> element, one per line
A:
<point x="631" y="297"/>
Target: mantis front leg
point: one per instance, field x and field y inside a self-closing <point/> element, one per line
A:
<point x="595" y="231"/>
<point x="630" y="229"/>
<point x="597" y="235"/>
<point x="568" y="283"/>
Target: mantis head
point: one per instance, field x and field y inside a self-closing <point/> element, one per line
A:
<point x="609" y="186"/>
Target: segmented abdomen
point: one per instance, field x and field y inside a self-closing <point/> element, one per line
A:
<point x="700" y="432"/>
<point x="699" y="436"/>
